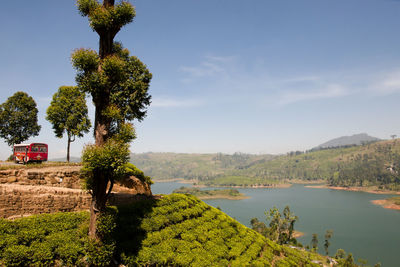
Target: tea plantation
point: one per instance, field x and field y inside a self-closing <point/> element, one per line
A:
<point x="176" y="230"/>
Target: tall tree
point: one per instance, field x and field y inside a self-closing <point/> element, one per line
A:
<point x="18" y="119"/>
<point x="118" y="84"/>
<point x="69" y="114"/>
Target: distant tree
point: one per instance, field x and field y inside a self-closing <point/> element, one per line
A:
<point x="18" y="119"/>
<point x="340" y="254"/>
<point x="314" y="242"/>
<point x="393" y="136"/>
<point x="328" y="235"/>
<point x="362" y="262"/>
<point x="259" y="227"/>
<point x="349" y="262"/>
<point x="281" y="228"/>
<point x="69" y="114"/>
<point x="289" y="221"/>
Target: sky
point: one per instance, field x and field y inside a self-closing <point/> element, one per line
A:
<point x="259" y="76"/>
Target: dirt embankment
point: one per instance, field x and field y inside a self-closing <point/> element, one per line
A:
<point x="43" y="190"/>
<point x="386" y="203"/>
<point x="371" y="190"/>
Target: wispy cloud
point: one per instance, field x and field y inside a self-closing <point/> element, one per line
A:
<point x="211" y="66"/>
<point x="233" y="79"/>
<point x="175" y="103"/>
<point x="389" y="83"/>
<point x="330" y="91"/>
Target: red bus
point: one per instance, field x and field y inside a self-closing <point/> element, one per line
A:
<point x="35" y="152"/>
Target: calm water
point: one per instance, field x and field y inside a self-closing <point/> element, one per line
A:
<point x="368" y="231"/>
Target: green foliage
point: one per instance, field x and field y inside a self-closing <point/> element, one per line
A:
<point x="176" y="230"/>
<point x="280" y="229"/>
<point x="86" y="6"/>
<point x="375" y="165"/>
<point x="43" y="240"/>
<point x="68" y="112"/>
<point x="328" y="236"/>
<point x="18" y="119"/>
<point x="109" y="159"/>
<point x="209" y="193"/>
<point x="314" y="242"/>
<point x="125" y="77"/>
<point x="132" y="170"/>
<point x="181" y="230"/>
<point x="103" y="18"/>
<point x="100" y="253"/>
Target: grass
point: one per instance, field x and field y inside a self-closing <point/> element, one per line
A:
<point x="38" y="165"/>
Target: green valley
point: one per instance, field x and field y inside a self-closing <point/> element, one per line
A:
<point x="370" y="165"/>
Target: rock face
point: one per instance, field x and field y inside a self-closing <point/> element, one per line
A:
<point x="64" y="176"/>
<point x="32" y="191"/>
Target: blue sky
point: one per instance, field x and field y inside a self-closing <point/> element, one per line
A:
<point x="252" y="76"/>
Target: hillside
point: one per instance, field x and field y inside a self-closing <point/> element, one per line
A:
<point x="356" y="139"/>
<point x="162" y="166"/>
<point x="374" y="164"/>
<point x="176" y="230"/>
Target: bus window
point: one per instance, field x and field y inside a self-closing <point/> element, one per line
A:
<point x="43" y="149"/>
<point x="34" y="149"/>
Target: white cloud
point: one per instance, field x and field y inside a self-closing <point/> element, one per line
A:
<point x="389" y="83"/>
<point x="211" y="66"/>
<point x="329" y="91"/>
<point x="175" y="103"/>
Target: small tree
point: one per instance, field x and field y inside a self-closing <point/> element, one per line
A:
<point x="280" y="229"/>
<point x="328" y="235"/>
<point x="18" y="119"/>
<point x="69" y="114"/>
<point x="314" y="242"/>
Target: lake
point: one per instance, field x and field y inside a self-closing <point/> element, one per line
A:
<point x="368" y="231"/>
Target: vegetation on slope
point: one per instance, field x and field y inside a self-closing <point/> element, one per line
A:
<point x="200" y="167"/>
<point x="374" y="164"/>
<point x="174" y="230"/>
<point x="211" y="194"/>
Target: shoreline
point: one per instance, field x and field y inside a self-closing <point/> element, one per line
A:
<point x="249" y="186"/>
<point x="356" y="189"/>
<point x="297" y="234"/>
<point x="386" y="203"/>
<point x="222" y="197"/>
<point x="194" y="183"/>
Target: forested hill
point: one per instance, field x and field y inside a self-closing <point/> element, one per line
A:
<point x="356" y="139"/>
<point x="163" y="166"/>
<point x="374" y="164"/>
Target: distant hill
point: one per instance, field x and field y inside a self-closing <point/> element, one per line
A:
<point x="356" y="139"/>
<point x="373" y="164"/>
<point x="193" y="166"/>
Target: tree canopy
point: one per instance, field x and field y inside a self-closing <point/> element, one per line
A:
<point x="18" y="118"/>
<point x="68" y="114"/>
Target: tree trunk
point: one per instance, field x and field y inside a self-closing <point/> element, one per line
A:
<point x="101" y="130"/>
<point x="68" y="146"/>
